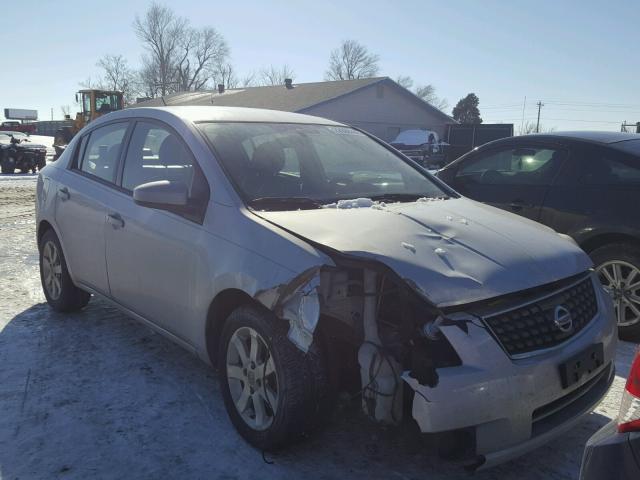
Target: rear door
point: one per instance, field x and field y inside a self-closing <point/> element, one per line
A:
<point x="153" y="255"/>
<point x="598" y="191"/>
<point x="514" y="178"/>
<point x="81" y="203"/>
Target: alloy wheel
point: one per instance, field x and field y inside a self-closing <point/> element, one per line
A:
<point x="622" y="280"/>
<point x="252" y="378"/>
<point x="52" y="270"/>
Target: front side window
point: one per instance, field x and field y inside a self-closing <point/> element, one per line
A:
<point x="156" y="153"/>
<point x="102" y="151"/>
<point x="313" y="162"/>
<point x="513" y="166"/>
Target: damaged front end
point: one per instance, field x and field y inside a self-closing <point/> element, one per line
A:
<point x="376" y="327"/>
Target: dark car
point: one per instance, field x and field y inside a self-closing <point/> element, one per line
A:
<point x="18" y="153"/>
<point x="584" y="184"/>
<point x="614" y="450"/>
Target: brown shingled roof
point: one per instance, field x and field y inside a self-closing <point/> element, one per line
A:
<point x="276" y="97"/>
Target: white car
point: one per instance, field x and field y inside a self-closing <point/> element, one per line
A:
<point x="301" y="257"/>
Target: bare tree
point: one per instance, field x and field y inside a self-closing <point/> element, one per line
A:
<point x="200" y="52"/>
<point x="272" y="75"/>
<point x="225" y="74"/>
<point x="147" y="79"/>
<point x="352" y="60"/>
<point x="162" y="33"/>
<point x="249" y="80"/>
<point x="179" y="57"/>
<point x="530" y="127"/>
<point x="116" y="75"/>
<point x="428" y="94"/>
<point x="66" y="110"/>
<point x="405" y="81"/>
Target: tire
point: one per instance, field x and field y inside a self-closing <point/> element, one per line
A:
<point x="620" y="262"/>
<point x="8" y="166"/>
<point x="299" y="391"/>
<point x="61" y="294"/>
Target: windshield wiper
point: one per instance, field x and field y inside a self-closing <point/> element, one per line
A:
<point x="401" y="197"/>
<point x="284" y="203"/>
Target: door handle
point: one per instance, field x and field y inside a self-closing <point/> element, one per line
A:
<point x="115" y="220"/>
<point x="517" y="205"/>
<point x="64" y="193"/>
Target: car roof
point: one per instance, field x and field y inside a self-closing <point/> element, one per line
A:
<point x="586" y="136"/>
<point x="225" y="114"/>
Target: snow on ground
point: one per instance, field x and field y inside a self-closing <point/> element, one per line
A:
<point x="97" y="395"/>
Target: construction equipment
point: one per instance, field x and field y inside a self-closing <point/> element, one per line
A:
<point x="94" y="103"/>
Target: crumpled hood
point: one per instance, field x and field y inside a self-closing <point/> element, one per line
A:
<point x="453" y="251"/>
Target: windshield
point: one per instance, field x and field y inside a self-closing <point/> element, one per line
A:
<point x="276" y="163"/>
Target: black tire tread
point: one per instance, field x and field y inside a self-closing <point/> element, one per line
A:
<point x="302" y="380"/>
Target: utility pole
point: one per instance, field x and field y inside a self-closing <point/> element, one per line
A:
<point x="540" y="105"/>
<point x="524" y="104"/>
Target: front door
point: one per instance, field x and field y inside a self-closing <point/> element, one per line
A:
<point x="152" y="254"/>
<point x="513" y="178"/>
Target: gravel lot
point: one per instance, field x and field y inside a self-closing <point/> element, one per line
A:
<point x="97" y="395"/>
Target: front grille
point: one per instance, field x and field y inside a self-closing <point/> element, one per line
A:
<point x="532" y="327"/>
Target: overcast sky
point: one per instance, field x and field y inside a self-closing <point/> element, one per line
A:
<point x="580" y="58"/>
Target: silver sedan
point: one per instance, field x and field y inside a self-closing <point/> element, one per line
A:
<point x="303" y="257"/>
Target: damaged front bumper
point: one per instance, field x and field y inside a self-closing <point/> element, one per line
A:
<point x="513" y="405"/>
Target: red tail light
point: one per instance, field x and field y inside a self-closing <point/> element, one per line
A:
<point x="629" y="415"/>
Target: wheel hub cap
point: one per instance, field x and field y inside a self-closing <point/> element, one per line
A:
<point x="52" y="270"/>
<point x="622" y="280"/>
<point x="252" y="378"/>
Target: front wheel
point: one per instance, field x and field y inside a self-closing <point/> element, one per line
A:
<point x="9" y="165"/>
<point x="61" y="294"/>
<point x="272" y="391"/>
<point x="618" y="266"/>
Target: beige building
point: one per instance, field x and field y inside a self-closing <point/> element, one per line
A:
<point x="377" y="105"/>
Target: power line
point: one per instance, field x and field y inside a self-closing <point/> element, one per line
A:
<point x="593" y="104"/>
<point x="529" y="119"/>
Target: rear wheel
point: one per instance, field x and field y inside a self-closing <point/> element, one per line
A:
<point x="273" y="392"/>
<point x="61" y="294"/>
<point x="618" y="266"/>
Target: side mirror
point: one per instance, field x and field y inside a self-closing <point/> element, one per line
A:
<point x="162" y="194"/>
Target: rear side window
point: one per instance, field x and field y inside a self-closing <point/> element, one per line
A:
<point x="102" y="151"/>
<point x="513" y="166"/>
<point x="609" y="168"/>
